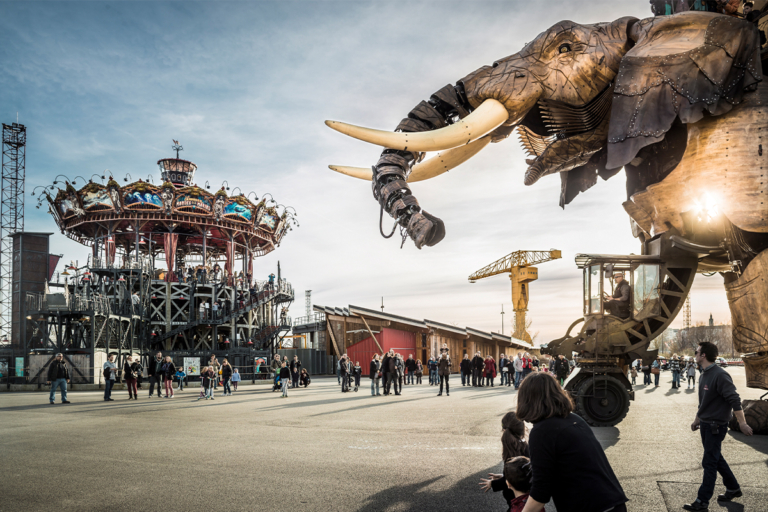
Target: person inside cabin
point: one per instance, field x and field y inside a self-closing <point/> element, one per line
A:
<point x="618" y="303"/>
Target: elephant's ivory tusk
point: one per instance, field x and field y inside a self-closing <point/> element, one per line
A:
<point x="485" y="118"/>
<point x="435" y="166"/>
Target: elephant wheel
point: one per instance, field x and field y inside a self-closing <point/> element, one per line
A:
<point x="602" y="401"/>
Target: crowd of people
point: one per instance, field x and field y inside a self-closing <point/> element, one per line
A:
<point x="288" y="374"/>
<point x="680" y="367"/>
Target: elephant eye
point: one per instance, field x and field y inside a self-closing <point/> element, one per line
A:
<point x="565" y="47"/>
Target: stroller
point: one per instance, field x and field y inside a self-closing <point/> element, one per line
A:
<point x="277" y="384"/>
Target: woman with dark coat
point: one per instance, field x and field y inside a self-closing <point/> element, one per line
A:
<point x="559" y="442"/>
<point x="444" y="371"/>
<point x="168" y="370"/>
<point x="304" y="379"/>
<point x="226" y="377"/>
<point x="130" y="378"/>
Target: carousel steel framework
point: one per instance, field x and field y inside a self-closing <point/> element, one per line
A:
<point x="203" y="302"/>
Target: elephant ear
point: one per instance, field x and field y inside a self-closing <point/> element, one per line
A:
<point x="682" y="66"/>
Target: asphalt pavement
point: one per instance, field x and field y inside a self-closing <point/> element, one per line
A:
<point x="321" y="450"/>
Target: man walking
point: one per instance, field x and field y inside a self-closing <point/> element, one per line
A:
<point x="477" y="369"/>
<point x="155" y="373"/>
<point x="717" y="398"/>
<point x="110" y="368"/>
<point x="410" y="366"/>
<point x="58" y="376"/>
<point x="466" y="371"/>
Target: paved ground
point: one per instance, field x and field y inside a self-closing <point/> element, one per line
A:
<point x="319" y="450"/>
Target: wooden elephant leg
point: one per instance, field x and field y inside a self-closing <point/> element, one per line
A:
<point x="748" y="301"/>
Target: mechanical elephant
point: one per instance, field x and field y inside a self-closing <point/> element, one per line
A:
<point x="677" y="102"/>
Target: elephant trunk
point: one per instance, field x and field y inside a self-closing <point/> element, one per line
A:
<point x="390" y="173"/>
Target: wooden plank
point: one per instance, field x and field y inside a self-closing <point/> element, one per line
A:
<point x="666" y="309"/>
<point x="372" y="335"/>
<point x="675" y="280"/>
<point x="333" y="338"/>
<point x="674" y="294"/>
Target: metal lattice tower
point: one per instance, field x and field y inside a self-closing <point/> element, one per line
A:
<point x="687" y="313"/>
<point x="11" y="214"/>
<point x="308" y="302"/>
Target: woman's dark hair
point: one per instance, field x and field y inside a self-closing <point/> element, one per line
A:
<point x="513" y="439"/>
<point x="517" y="471"/>
<point x="541" y="397"/>
<point x="709" y="350"/>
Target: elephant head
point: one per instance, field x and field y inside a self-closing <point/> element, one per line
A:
<point x="584" y="99"/>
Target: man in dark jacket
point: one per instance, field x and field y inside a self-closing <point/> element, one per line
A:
<point x="466" y="371"/>
<point x="385" y="372"/>
<point x="154" y="371"/>
<point x="295" y="371"/>
<point x="618" y="303"/>
<point x="717" y="398"/>
<point x="410" y="365"/>
<point x="344" y="373"/>
<point x="561" y="368"/>
<point x="58" y="376"/>
<point x="477" y="370"/>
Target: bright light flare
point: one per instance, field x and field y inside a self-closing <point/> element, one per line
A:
<point x="706" y="208"/>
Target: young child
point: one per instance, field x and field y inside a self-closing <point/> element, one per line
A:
<point x="517" y="474"/>
<point x="285" y="379"/>
<point x="235" y="379"/>
<point x="180" y="376"/>
<point x="208" y="376"/>
<point x="203" y="369"/>
<point x="513" y="444"/>
<point x="634" y="375"/>
<point x="304" y="378"/>
<point x="357" y="371"/>
<point x="691" y="373"/>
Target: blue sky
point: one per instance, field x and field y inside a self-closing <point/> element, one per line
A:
<point x="246" y="86"/>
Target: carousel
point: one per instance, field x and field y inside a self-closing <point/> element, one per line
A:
<point x="171" y="267"/>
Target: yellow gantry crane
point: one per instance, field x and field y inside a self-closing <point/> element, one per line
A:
<point x="519" y="264"/>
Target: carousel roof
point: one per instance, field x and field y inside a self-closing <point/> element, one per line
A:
<point x="141" y="212"/>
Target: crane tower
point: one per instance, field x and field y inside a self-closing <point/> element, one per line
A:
<point x="519" y="265"/>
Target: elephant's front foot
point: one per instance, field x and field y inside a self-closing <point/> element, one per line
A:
<point x="748" y="301"/>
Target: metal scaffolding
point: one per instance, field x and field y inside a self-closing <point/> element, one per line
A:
<point x="11" y="215"/>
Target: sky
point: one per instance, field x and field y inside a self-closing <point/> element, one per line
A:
<point x="246" y="88"/>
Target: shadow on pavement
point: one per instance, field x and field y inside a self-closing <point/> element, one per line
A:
<point x="607" y="436"/>
<point x="418" y="497"/>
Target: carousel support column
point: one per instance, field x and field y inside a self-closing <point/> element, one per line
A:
<point x="168" y="325"/>
<point x="138" y="241"/>
<point x="205" y="246"/>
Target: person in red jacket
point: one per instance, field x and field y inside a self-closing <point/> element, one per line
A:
<point x="489" y="371"/>
<point x="527" y="365"/>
